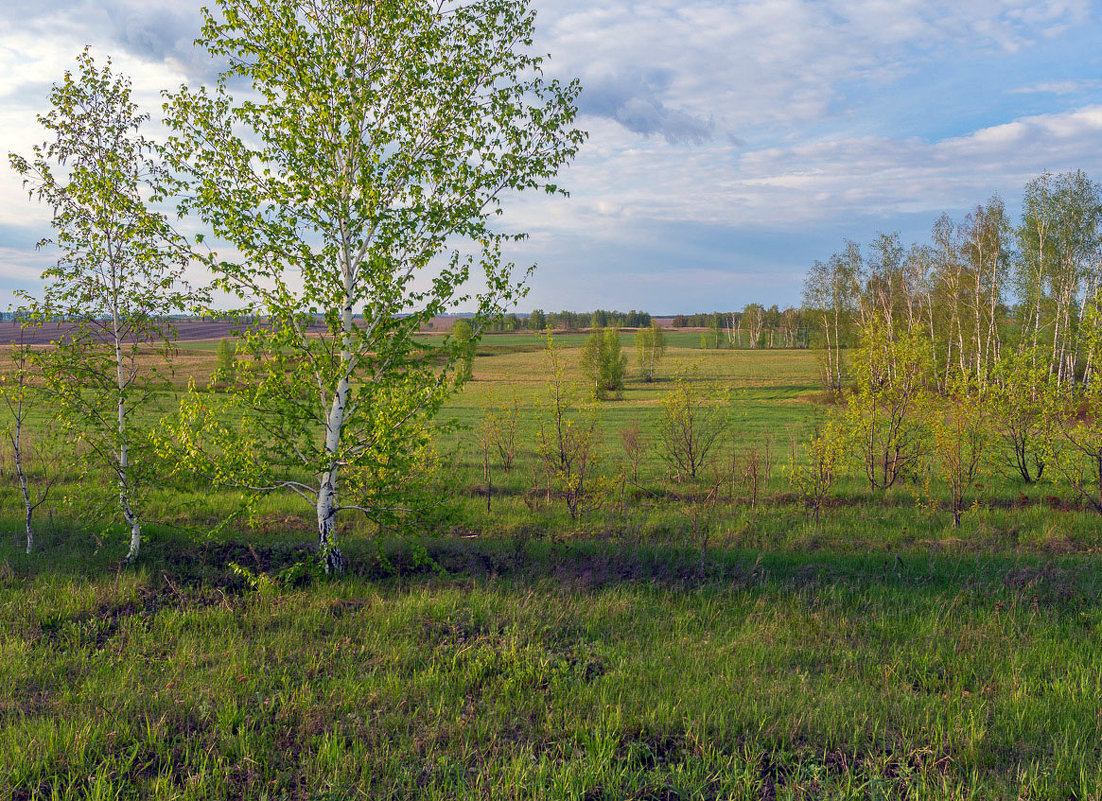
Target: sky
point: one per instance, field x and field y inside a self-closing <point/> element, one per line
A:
<point x="731" y="144"/>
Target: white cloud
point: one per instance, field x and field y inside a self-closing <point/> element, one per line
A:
<point x="687" y="69"/>
<point x="618" y="191"/>
<point x="740" y="114"/>
<point x="1068" y="87"/>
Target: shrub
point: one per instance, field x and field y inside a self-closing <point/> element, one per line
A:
<point x="690" y="428"/>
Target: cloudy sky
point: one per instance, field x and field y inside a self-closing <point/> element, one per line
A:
<point x="731" y="143"/>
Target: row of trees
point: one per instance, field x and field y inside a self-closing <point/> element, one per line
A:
<point x="539" y="320"/>
<point x="978" y="288"/>
<point x="754" y="327"/>
<point x="973" y="351"/>
<point x="898" y="424"/>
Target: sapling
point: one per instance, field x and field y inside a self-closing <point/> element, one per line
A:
<point x="20" y="397"/>
<point x="959" y="439"/>
<point x="119" y="273"/>
<point x="650" y="347"/>
<point x="814" y="471"/>
<point x="566" y="438"/>
<point x="691" y="427"/>
<point x="635" y="445"/>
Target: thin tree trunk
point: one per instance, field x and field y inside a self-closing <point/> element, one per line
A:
<point x="128" y="512"/>
<point x="327" y="507"/>
<point x="489" y="478"/>
<point x="131" y="518"/>
<point x="27" y="505"/>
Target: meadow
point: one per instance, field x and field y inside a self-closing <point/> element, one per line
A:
<point x="676" y="639"/>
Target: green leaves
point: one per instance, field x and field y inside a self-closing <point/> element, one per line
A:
<point x="604" y="363"/>
<point x="120" y="269"/>
<point x="359" y="182"/>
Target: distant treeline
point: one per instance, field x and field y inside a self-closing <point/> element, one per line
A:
<point x="754" y="327"/>
<point x="539" y="320"/>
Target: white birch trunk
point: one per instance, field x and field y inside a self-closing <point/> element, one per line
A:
<point x="128" y="512"/>
<point x="125" y="501"/>
<point x="132" y="520"/>
<point x="28" y="507"/>
<point x="327" y="506"/>
<point x="330" y="551"/>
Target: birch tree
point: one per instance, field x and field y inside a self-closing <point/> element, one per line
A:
<point x="359" y="179"/>
<point x="604" y="363"/>
<point x="650" y="347"/>
<point x="1037" y="255"/>
<point x="885" y="415"/>
<point x="753" y="317"/>
<point x="20" y="397"/>
<point x="118" y="275"/>
<point x="986" y="252"/>
<point x="831" y="296"/>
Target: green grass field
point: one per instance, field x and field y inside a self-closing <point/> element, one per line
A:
<point x="646" y="650"/>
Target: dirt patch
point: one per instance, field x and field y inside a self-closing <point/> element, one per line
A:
<point x="95" y="628"/>
<point x="1045" y="585"/>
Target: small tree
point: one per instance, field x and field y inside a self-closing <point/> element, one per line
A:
<point x="503" y="420"/>
<point x="959" y="437"/>
<point x="885" y="415"/>
<point x="690" y="427"/>
<point x="635" y="445"/>
<point x="497" y="434"/>
<point x="752" y="467"/>
<point x="650" y="347"/>
<point x="20" y="397"/>
<point x="814" y="469"/>
<point x="604" y="363"/>
<point x="463" y="337"/>
<point x="226" y="372"/>
<point x="118" y="274"/>
<point x="566" y="437"/>
<point x="1019" y="394"/>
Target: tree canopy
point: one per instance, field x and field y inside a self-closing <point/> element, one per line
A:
<point x="359" y="179"/>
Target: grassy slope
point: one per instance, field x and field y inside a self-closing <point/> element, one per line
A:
<point x="880" y="654"/>
<point x="555" y="671"/>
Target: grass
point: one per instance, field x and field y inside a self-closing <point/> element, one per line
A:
<point x="521" y="654"/>
<point x="570" y="670"/>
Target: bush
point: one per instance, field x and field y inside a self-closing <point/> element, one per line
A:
<point x="690" y="428"/>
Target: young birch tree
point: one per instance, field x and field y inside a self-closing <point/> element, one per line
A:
<point x="958" y="438"/>
<point x="20" y="397"/>
<point x="119" y="271"/>
<point x="885" y="415"/>
<point x="567" y="444"/>
<point x="604" y="363"/>
<point x="650" y="347"/>
<point x="358" y="181"/>
<point x="691" y="427"/>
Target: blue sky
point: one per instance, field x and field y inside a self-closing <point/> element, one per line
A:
<point x="731" y="143"/>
